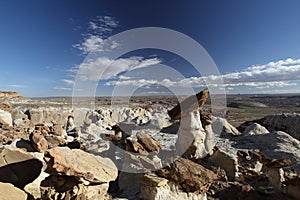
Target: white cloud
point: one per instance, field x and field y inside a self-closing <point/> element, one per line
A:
<point x="103" y="25"/>
<point x="62" y="88"/>
<point x="95" y="43"/>
<point x="97" y="37"/>
<point x="105" y="68"/>
<point x="278" y="74"/>
<point x="282" y="70"/>
<point x="16" y="86"/>
<point x="67" y="81"/>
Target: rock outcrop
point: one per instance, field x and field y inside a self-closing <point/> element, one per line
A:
<point x="9" y="94"/>
<point x="189" y="105"/>
<point x="193" y="141"/>
<point x="289" y="123"/>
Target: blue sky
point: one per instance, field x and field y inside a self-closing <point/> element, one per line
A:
<point x="255" y="44"/>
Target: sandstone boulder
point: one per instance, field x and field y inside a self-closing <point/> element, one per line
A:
<point x="9" y="192"/>
<point x="221" y="126"/>
<point x="78" y="163"/>
<point x="190" y="176"/>
<point x="18" y="167"/>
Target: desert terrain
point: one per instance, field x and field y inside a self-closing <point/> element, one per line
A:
<point x="142" y="150"/>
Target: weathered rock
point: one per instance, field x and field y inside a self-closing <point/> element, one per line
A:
<point x="193" y="141"/>
<point x="9" y="192"/>
<point x="255" y="129"/>
<point x="158" y="188"/>
<point x="190" y="104"/>
<point x="54" y="141"/>
<point x="226" y="161"/>
<point x="135" y="146"/>
<point x="18" y="167"/>
<point x="92" y="168"/>
<point x="289" y="123"/>
<point x="148" y="142"/>
<point x="6" y="107"/>
<point x="134" y="163"/>
<point x="4" y="125"/>
<point x="221" y="126"/>
<point x="190" y="176"/>
<point x="58" y="129"/>
<point x="9" y="94"/>
<point x="38" y="141"/>
<point x="48" y="115"/>
<point x="69" y="187"/>
<point x="6" y="117"/>
<point x="278" y="145"/>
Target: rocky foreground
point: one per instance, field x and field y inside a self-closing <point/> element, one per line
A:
<point x="149" y="152"/>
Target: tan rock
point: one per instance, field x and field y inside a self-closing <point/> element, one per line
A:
<point x="78" y="163"/>
<point x="9" y="94"/>
<point x="226" y="161"/>
<point x="148" y="142"/>
<point x="9" y="192"/>
<point x="58" y="129"/>
<point x="157" y="188"/>
<point x="189" y="105"/>
<point x="135" y="146"/>
<point x="191" y="176"/>
<point x="6" y="107"/>
<point x="153" y="180"/>
<point x="18" y="167"/>
<point x="38" y="141"/>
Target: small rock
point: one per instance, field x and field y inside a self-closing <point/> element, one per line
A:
<point x="38" y="141"/>
<point x="255" y="129"/>
<point x="148" y="142"/>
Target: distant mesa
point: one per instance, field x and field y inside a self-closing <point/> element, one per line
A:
<point x="9" y="94"/>
<point x="247" y="104"/>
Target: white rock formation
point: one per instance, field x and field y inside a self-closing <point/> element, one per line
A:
<point x="6" y="117"/>
<point x="193" y="141"/>
<point x="221" y="126"/>
<point x="255" y="129"/>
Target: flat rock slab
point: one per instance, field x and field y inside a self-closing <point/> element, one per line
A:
<point x="9" y="192"/>
<point x="75" y="162"/>
<point x="18" y="167"/>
